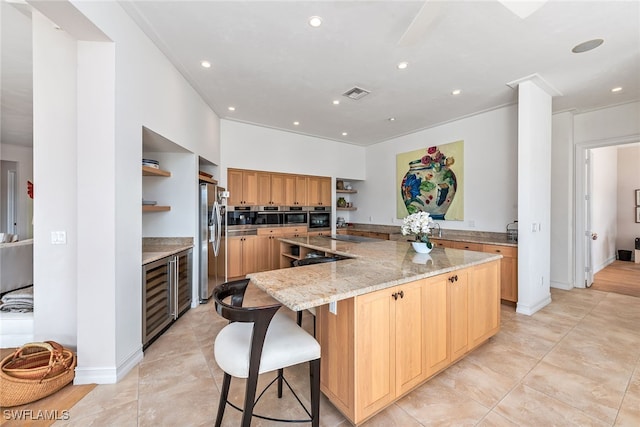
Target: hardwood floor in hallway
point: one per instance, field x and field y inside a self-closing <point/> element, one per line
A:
<point x="621" y="277"/>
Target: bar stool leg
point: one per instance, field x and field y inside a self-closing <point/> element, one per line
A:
<point x="314" y="381"/>
<point x="224" y="394"/>
<point x="249" y="399"/>
<point x="280" y="376"/>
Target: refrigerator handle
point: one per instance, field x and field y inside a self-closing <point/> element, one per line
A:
<point x="213" y="223"/>
<point x="219" y="235"/>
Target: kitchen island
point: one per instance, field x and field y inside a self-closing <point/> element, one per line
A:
<point x="399" y="317"/>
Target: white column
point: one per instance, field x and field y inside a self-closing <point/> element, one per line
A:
<point x="534" y="194"/>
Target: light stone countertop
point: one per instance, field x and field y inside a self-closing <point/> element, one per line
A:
<point x="374" y="265"/>
<point x="155" y="248"/>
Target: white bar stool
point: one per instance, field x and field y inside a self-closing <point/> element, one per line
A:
<point x="256" y="341"/>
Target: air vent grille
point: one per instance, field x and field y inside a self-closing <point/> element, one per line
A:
<point x="356" y="93"/>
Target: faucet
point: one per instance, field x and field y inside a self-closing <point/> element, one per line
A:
<point x="439" y="229"/>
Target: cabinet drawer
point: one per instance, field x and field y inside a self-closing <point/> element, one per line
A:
<point x="444" y="243"/>
<point x="271" y="231"/>
<point x="478" y="247"/>
<point x="506" y="251"/>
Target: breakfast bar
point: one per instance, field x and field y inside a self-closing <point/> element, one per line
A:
<point x="387" y="318"/>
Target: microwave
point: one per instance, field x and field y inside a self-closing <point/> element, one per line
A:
<point x="320" y="218"/>
<point x="295" y="218"/>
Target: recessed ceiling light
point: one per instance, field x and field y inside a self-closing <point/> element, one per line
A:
<point x="231" y="108"/>
<point x="315" y="21"/>
<point x="336" y="102"/>
<point x="402" y="65"/>
<point x="616" y="89"/>
<point x="296" y="123"/>
<point x="456" y="92"/>
<point x="392" y="119"/>
<point x="587" y="46"/>
<point x="344" y="134"/>
<point x="205" y="64"/>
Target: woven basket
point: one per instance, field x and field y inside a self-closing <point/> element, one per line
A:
<point x="34" y="371"/>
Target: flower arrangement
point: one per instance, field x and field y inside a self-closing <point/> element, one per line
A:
<point x="418" y="224"/>
<point x="435" y="159"/>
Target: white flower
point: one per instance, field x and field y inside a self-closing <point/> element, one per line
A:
<point x="418" y="224"/>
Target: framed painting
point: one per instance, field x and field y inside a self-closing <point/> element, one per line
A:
<point x="431" y="180"/>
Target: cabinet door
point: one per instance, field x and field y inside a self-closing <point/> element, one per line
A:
<point x="277" y="189"/>
<point x="183" y="285"/>
<point x="484" y="302"/>
<point x="508" y="270"/>
<point x="458" y="313"/>
<point x="410" y="336"/>
<point x="375" y="350"/>
<point x="249" y="187"/>
<point x="234" y="257"/>
<point x="301" y="196"/>
<point x="234" y="185"/>
<point x="156" y="298"/>
<point x="263" y="253"/>
<point x="436" y="321"/>
<point x="315" y="188"/>
<point x="325" y="191"/>
<point x="249" y="254"/>
<point x="264" y="188"/>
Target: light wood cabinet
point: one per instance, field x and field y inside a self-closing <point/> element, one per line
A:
<point x="270" y="189"/>
<point x="508" y="270"/>
<point x="319" y="191"/>
<point x="295" y="190"/>
<point x="508" y="264"/>
<point x="242" y="255"/>
<point x="371" y="234"/>
<point x="379" y="346"/>
<point x="243" y="187"/>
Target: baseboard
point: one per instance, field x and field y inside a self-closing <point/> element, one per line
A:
<point x="604" y="264"/>
<point x="16" y="329"/>
<point x="566" y="286"/>
<point x="108" y="375"/>
<point x="529" y="310"/>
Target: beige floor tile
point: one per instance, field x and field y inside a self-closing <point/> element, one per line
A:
<point x="494" y="420"/>
<point x="598" y="398"/>
<point x="435" y="404"/>
<point x="528" y="407"/>
<point x="629" y="414"/>
<point x="475" y="380"/>
<point x="575" y="362"/>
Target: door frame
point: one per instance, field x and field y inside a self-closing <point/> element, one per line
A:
<point x="580" y="190"/>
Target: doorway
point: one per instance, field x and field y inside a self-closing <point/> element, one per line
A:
<point x="597" y="210"/>
<point x="8" y="195"/>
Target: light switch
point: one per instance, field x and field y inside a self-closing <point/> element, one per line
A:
<point x="58" y="237"/>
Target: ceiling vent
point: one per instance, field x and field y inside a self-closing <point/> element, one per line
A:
<point x="356" y="93"/>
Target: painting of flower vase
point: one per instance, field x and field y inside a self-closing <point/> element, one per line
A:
<point x="431" y="182"/>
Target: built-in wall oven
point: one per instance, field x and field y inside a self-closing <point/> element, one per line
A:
<point x="296" y="215"/>
<point x="269" y="215"/>
<point x="320" y="218"/>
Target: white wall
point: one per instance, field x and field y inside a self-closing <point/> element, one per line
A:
<point x="147" y="91"/>
<point x="604" y="205"/>
<point x="562" y="212"/>
<point x="491" y="165"/>
<point x="254" y="147"/>
<point x="628" y="182"/>
<point x="23" y="156"/>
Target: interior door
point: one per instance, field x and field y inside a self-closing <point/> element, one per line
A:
<point x="589" y="235"/>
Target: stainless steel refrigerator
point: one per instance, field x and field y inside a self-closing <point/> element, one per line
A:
<point x="213" y="242"/>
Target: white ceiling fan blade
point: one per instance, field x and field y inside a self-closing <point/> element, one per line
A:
<point x="422" y="22"/>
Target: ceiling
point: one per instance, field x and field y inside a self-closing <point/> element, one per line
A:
<point x="275" y="69"/>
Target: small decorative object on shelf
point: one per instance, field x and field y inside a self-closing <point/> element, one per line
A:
<point x="339" y="184"/>
<point x="419" y="225"/>
<point x="342" y="202"/>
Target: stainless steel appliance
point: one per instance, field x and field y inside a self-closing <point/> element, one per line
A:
<point x="212" y="240"/>
<point x="320" y="218"/>
<point x="296" y="215"/>
<point x="270" y="215"/>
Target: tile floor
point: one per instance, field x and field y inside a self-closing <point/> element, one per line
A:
<point x="574" y="363"/>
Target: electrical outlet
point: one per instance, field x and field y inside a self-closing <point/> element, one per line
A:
<point x="472" y="224"/>
<point x="333" y="307"/>
<point x="370" y="219"/>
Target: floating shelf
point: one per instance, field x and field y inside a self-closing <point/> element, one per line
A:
<point x="149" y="171"/>
<point x="346" y="209"/>
<point x="151" y="208"/>
<point x="205" y="178"/>
<point x="347" y="191"/>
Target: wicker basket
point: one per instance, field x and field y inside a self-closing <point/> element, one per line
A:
<point x="34" y="371"/>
